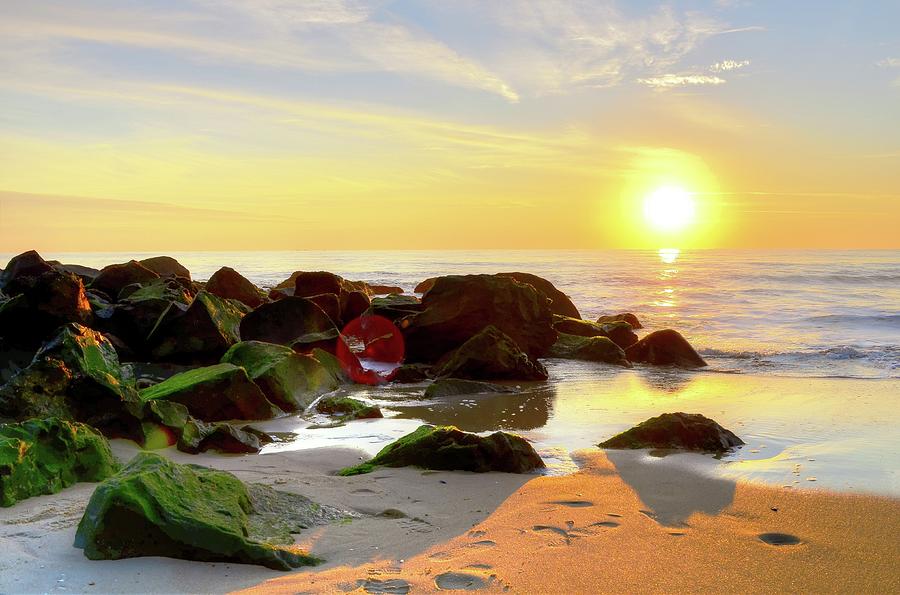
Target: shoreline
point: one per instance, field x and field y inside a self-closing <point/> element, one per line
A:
<point x="630" y="524"/>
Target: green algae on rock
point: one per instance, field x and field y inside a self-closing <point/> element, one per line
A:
<point x="43" y="456"/>
<point x="202" y="333"/>
<point x="594" y="349"/>
<point x="347" y="408"/>
<point x="490" y="355"/>
<point x="449" y="448"/>
<point x="452" y="387"/>
<point x="155" y="507"/>
<point x="686" y="431"/>
<point x="214" y="393"/>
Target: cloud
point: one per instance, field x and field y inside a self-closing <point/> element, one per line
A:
<point x="888" y="63"/>
<point x="668" y="81"/>
<point x="726" y="65"/>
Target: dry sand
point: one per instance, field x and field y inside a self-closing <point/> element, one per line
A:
<point x="625" y="523"/>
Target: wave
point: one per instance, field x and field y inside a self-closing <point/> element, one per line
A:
<point x="886" y="354"/>
<point x="825" y="278"/>
<point x="881" y="319"/>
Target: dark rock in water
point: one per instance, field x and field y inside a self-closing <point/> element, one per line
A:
<point x="155" y="507"/>
<point x="625" y="317"/>
<point x="330" y="304"/>
<point x="166" y="266"/>
<point x="458" y="307"/>
<point x="448" y="448"/>
<point x="619" y="332"/>
<point x="214" y="393"/>
<point x="43" y="456"/>
<point x="452" y="387"/>
<point x="490" y="355"/>
<point x="308" y="284"/>
<point x="666" y="347"/>
<point x="686" y="431"/>
<point x="228" y="283"/>
<point x="201" y="334"/>
<point x="592" y="349"/>
<point x="347" y="408"/>
<point x="353" y="305"/>
<point x="292" y="321"/>
<point x="290" y="380"/>
<point x="76" y="376"/>
<point x="425" y="285"/>
<point x="114" y="277"/>
<point x="394" y="306"/>
<point x="560" y="303"/>
<point x="411" y="373"/>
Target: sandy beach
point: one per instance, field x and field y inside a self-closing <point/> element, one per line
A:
<point x="626" y="522"/>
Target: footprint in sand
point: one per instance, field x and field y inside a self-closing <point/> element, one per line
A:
<point x="572" y="503"/>
<point x="373" y="585"/>
<point x="460" y="581"/>
<point x="483" y="543"/>
<point x="571" y="531"/>
<point x="779" y="539"/>
<point x="364" y="491"/>
<point x="477" y="534"/>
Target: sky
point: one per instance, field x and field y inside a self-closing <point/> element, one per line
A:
<point x="498" y="124"/>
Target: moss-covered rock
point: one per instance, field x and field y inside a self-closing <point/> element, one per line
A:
<point x="291" y="380"/>
<point x="624" y="317"/>
<point x="395" y="306"/>
<point x="202" y="334"/>
<point x="214" y="393"/>
<point x="292" y="321"/>
<point x="685" y="431"/>
<point x="559" y="302"/>
<point x="452" y="387"/>
<point x="228" y="283"/>
<point x="619" y="332"/>
<point x="449" y="448"/>
<point x="114" y="277"/>
<point x="592" y="349"/>
<point x="490" y="355"/>
<point x="348" y="408"/>
<point x="43" y="456"/>
<point x="155" y="507"/>
<point x="665" y="347"/>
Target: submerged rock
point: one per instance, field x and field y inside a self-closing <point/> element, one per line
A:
<point x="490" y="355"/>
<point x="290" y="380"/>
<point x="448" y="448"/>
<point x="624" y="317"/>
<point x="347" y="408"/>
<point x="592" y="349"/>
<point x="560" y="303"/>
<point x="665" y="347"/>
<point x="155" y="507"/>
<point x="458" y="307"/>
<point x="214" y="393"/>
<point x="452" y="387"/>
<point x="228" y="283"/>
<point x="43" y="456"/>
<point x="292" y="321"/>
<point x="687" y="431"/>
<point x="113" y="278"/>
<point x="202" y="334"/>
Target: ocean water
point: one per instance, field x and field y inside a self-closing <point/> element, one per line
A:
<point x="803" y="347"/>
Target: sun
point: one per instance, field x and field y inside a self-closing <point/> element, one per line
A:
<point x="669" y="208"/>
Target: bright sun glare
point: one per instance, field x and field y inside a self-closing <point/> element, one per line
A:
<point x="669" y="208"/>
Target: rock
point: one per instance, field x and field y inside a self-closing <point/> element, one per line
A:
<point x="384" y="289"/>
<point x="86" y="274"/>
<point x="560" y="303"/>
<point x="202" y="334"/>
<point x="27" y="264"/>
<point x="214" y="393"/>
<point x="453" y="387"/>
<point x="625" y="317"/>
<point x="330" y="304"/>
<point x="114" y="277"/>
<point x="347" y="408"/>
<point x="228" y="283"/>
<point x="411" y="373"/>
<point x="198" y="436"/>
<point x="458" y="307"/>
<point x="394" y="306"/>
<point x="290" y="380"/>
<point x="308" y="284"/>
<point x="490" y="355"/>
<point x="292" y="321"/>
<point x="149" y="308"/>
<point x="665" y="347"/>
<point x="75" y="376"/>
<point x="353" y="305"/>
<point x="43" y="456"/>
<point x="686" y="431"/>
<point x="619" y="332"/>
<point x="592" y="349"/>
<point x="155" y="507"/>
<point x="166" y="266"/>
<point x="448" y="448"/>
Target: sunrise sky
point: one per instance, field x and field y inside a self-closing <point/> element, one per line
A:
<point x="279" y="124"/>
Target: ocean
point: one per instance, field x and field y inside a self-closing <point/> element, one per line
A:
<point x="803" y="347"/>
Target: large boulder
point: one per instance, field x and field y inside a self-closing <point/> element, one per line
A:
<point x="560" y="303"/>
<point x="449" y="448"/>
<point x="43" y="456"/>
<point x="619" y="332"/>
<point x="292" y="321"/>
<point x="145" y="310"/>
<point x="308" y="284"/>
<point x="166" y="266"/>
<point x="290" y="380"/>
<point x="27" y="264"/>
<point x="201" y="334"/>
<point x="490" y="355"/>
<point x="665" y="347"/>
<point x="75" y="376"/>
<point x="353" y="305"/>
<point x="458" y="307"/>
<point x="592" y="349"/>
<point x="155" y="507"/>
<point x="624" y="317"/>
<point x="685" y="431"/>
<point x="113" y="278"/>
<point x="330" y="304"/>
<point x="214" y="393"/>
<point x="454" y="387"/>
<point x="228" y="283"/>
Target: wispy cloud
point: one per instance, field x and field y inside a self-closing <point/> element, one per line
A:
<point x="668" y="81"/>
<point x="888" y="63"/>
<point x="726" y="65"/>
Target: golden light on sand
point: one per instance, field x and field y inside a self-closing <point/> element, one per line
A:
<point x="669" y="209"/>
